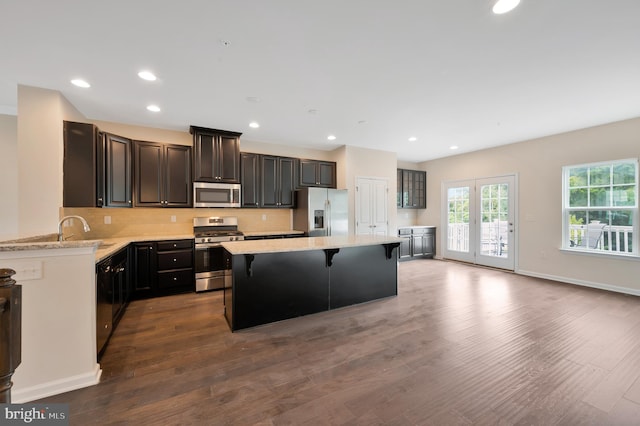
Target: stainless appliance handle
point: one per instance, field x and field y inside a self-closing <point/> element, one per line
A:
<point x="207" y="245"/>
<point x="327" y="207"/>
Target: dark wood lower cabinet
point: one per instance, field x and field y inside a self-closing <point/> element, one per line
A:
<point x="162" y="268"/>
<point x="418" y="242"/>
<point x="113" y="292"/>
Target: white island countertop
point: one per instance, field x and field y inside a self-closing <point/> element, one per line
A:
<point x="306" y="243"/>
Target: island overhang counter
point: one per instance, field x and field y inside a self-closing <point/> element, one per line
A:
<point x="273" y="280"/>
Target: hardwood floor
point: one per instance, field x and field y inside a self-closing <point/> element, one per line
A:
<point x="458" y="345"/>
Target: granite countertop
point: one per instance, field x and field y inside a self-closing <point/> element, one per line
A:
<point x="104" y="247"/>
<point x="305" y="243"/>
<point x="111" y="246"/>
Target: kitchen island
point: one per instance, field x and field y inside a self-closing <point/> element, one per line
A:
<point x="273" y="280"/>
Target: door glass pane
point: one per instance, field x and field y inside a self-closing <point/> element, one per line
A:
<point x="494" y="232"/>
<point x="458" y="219"/>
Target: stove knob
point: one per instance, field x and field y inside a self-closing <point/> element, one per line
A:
<point x="208" y="240"/>
<point x="233" y="238"/>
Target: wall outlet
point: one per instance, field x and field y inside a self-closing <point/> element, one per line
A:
<point x="27" y="270"/>
<point x="107" y="220"/>
<point x="264" y="217"/>
<point x="173" y="218"/>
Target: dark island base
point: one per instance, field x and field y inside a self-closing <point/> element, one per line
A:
<point x="271" y="287"/>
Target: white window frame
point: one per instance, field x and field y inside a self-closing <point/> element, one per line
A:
<point x="567" y="210"/>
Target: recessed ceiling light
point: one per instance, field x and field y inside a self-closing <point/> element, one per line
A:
<point x="312" y="111"/>
<point x="413" y="139"/>
<point x="147" y="75"/>
<point x="252" y="99"/>
<point x="504" y="6"/>
<point x="331" y="137"/>
<point x="80" y="83"/>
<point x="453" y="147"/>
<point x="153" y="108"/>
<point x="254" y="125"/>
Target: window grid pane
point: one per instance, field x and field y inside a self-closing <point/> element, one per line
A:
<point x="601" y="207"/>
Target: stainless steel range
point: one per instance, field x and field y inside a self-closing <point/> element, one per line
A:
<point x="211" y="265"/>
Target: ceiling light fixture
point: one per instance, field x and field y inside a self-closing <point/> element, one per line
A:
<point x="331" y="137"/>
<point x="254" y="125"/>
<point x="80" y="83"/>
<point x="413" y="139"/>
<point x="504" y="6"/>
<point x="153" y="108"/>
<point x="147" y="75"/>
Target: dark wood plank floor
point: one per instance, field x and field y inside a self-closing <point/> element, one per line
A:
<point x="458" y="345"/>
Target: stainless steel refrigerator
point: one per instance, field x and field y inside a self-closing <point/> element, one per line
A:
<point x="322" y="212"/>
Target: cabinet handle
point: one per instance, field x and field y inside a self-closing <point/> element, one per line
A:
<point x="175" y="260"/>
<point x="175" y="245"/>
<point x="175" y="278"/>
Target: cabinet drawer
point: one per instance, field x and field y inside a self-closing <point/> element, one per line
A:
<point x="175" y="260"/>
<point x="174" y="245"/>
<point x="421" y="231"/>
<point x="404" y="231"/>
<point x="180" y="278"/>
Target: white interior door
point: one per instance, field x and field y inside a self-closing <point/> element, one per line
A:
<point x="371" y="206"/>
<point x="479" y="220"/>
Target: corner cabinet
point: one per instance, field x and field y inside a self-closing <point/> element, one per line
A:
<point x="314" y="173"/>
<point x="412" y="189"/>
<point x="417" y="241"/>
<point x="82" y="166"/>
<point x="216" y="155"/>
<point x="162" y="175"/>
<point x="96" y="167"/>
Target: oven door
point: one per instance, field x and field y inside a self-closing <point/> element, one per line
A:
<point x="211" y="266"/>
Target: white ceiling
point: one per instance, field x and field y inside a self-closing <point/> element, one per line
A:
<point x="448" y="72"/>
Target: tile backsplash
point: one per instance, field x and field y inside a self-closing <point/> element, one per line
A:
<point x="125" y="222"/>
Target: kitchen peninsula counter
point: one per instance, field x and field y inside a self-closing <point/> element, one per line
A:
<point x="273" y="280"/>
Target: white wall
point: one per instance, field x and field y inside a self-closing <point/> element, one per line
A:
<point x="58" y="322"/>
<point x="538" y="164"/>
<point x="370" y="163"/>
<point x="8" y="177"/>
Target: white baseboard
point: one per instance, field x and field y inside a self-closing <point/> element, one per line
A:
<point x="583" y="283"/>
<point x="56" y="386"/>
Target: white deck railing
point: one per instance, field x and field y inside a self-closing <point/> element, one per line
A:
<point x="616" y="239"/>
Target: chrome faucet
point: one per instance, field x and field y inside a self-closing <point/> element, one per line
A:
<point x="85" y="225"/>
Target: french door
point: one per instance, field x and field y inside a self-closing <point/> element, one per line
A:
<point x="479" y="219"/>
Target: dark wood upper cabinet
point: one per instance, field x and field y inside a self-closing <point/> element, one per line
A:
<point x="162" y="174"/>
<point x="83" y="167"/>
<point x="317" y="173"/>
<point x="267" y="181"/>
<point x="277" y="186"/>
<point x="250" y="179"/>
<point x="96" y="167"/>
<point x="118" y="182"/>
<point x="413" y="189"/>
<point x="216" y="155"/>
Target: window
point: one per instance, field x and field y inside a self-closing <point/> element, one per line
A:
<point x="600" y="207"/>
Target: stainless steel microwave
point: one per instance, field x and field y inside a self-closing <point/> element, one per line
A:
<point x="207" y="194"/>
